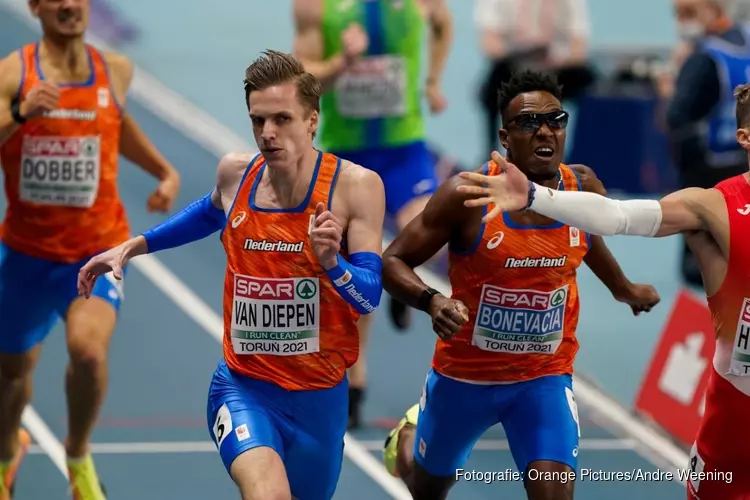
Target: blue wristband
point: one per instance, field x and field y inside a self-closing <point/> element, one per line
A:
<point x="194" y="222"/>
<point x="359" y="282"/>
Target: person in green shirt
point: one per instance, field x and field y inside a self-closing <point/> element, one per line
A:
<point x="367" y="54"/>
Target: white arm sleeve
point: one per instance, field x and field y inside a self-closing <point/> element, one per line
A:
<point x="595" y="214"/>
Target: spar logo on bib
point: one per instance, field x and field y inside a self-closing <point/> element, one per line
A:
<point x="306" y="288"/>
<point x="520" y="321"/>
<point x="740" y="364"/>
<point x="60" y="171"/>
<point x="275" y="316"/>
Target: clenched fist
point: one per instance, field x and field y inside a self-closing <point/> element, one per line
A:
<point x="448" y="315"/>
<point x="325" y="237"/>
<point x="43" y="97"/>
<point x="354" y="41"/>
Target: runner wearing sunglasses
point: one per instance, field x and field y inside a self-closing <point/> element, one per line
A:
<point x="507" y="338"/>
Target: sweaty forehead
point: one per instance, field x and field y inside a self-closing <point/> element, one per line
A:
<point x="533" y="102"/>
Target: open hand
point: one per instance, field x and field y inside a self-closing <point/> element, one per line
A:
<point x="508" y="191"/>
<point x="113" y="260"/>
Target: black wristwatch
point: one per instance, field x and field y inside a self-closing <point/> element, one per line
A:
<point x="426" y="298"/>
<point x="15" y="111"/>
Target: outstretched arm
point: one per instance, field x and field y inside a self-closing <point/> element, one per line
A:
<point x="200" y="219"/>
<point x="196" y="221"/>
<point x="604" y="265"/>
<point x="679" y="212"/>
<point x="674" y="214"/>
<point x="599" y="259"/>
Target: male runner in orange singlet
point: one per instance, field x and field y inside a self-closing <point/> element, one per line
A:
<point x="62" y="126"/>
<point x="716" y="223"/>
<point x="303" y="247"/>
<point x="507" y="335"/>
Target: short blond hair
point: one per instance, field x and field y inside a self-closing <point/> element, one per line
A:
<point x="274" y="68"/>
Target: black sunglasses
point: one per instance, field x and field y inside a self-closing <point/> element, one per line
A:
<point x="530" y="122"/>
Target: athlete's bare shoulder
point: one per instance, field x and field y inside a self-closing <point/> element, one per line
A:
<point x="231" y="167"/>
<point x="351" y="173"/>
<point x="229" y="174"/>
<point x="120" y="72"/>
<point x="360" y="187"/>
<point x="359" y="200"/>
<point x="446" y="206"/>
<point x="10" y="76"/>
<point x="118" y="64"/>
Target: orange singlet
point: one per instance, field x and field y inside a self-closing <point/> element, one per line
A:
<point x="61" y="170"/>
<point x="519" y="284"/>
<point x="284" y="322"/>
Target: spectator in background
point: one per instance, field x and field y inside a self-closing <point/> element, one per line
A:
<point x="713" y="58"/>
<point x="532" y="34"/>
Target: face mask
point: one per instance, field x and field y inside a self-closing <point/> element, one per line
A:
<point x="690" y="30"/>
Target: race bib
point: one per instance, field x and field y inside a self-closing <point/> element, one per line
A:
<point x="520" y="321"/>
<point x="740" y="364"/>
<point x="279" y="317"/>
<point x="375" y="87"/>
<point x="60" y="171"/>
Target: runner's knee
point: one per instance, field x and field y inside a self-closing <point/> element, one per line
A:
<point x="89" y="329"/>
<point x="425" y="486"/>
<point x="18" y="366"/>
<point x="548" y="480"/>
<point x="85" y="348"/>
<point x="405" y="452"/>
<point x="260" y="475"/>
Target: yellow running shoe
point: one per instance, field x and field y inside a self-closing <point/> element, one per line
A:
<point x="8" y="471"/>
<point x="390" y="448"/>
<point x="84" y="482"/>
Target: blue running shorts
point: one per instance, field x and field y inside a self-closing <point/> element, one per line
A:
<point x="408" y="172"/>
<point x="306" y="428"/>
<point x="539" y="416"/>
<point x="35" y="292"/>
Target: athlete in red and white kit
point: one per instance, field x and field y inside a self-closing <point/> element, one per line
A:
<point x="716" y="223"/>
